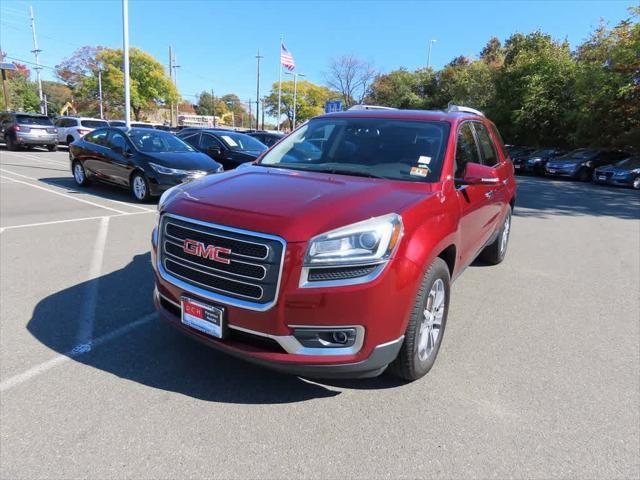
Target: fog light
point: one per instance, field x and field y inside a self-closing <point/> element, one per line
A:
<point x="325" y="337"/>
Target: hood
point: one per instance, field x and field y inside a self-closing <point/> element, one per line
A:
<point x="614" y="169"/>
<point x="183" y="160"/>
<point x="295" y="205"/>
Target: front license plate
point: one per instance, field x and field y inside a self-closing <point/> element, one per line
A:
<point x="516" y="166"/>
<point x="602" y="177"/>
<point x="203" y="317"/>
<point x="552" y="171"/>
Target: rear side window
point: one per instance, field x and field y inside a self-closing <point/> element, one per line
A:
<point x="207" y="141"/>
<point x="191" y="139"/>
<point x="99" y="137"/>
<point x="466" y="149"/>
<point x="489" y="154"/>
<point x="496" y="134"/>
<point x="94" y="123"/>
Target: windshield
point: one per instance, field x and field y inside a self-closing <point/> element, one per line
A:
<point x="147" y="140"/>
<point x="630" y="163"/>
<point x="542" y="153"/>
<point x="33" y="120"/>
<point x="581" y="153"/>
<point x="240" y="142"/>
<point x="376" y="147"/>
<point x="94" y="123"/>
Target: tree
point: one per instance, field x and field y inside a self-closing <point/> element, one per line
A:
<point x="398" y="89"/>
<point x="207" y="105"/>
<point x="310" y="100"/>
<point x="23" y="93"/>
<point x="58" y="94"/>
<point x="351" y="78"/>
<point x="493" y="53"/>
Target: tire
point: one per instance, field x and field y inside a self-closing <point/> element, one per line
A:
<point x="79" y="174"/>
<point x="70" y="139"/>
<point x="140" y="187"/>
<point x="11" y="144"/>
<point x="420" y="349"/>
<point x="583" y="175"/>
<point x="636" y="183"/>
<point x="52" y="148"/>
<point x="494" y="253"/>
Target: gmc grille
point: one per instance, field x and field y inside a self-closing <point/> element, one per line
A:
<point x="252" y="274"/>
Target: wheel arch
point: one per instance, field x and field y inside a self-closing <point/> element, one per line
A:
<point x="449" y="257"/>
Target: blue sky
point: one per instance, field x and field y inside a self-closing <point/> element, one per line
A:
<point x="216" y="41"/>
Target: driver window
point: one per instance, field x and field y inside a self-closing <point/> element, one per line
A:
<point x="466" y="149"/>
<point x="207" y="141"/>
<point x="117" y="140"/>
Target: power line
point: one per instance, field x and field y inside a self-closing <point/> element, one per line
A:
<point x="27" y="61"/>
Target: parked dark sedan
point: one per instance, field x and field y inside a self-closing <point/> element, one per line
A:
<point x="519" y="155"/>
<point x="268" y="138"/>
<point x="146" y="161"/>
<point x="228" y="147"/>
<point x="536" y="161"/>
<point x="625" y="173"/>
<point x="579" y="164"/>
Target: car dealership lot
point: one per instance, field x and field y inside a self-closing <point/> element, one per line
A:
<point x="537" y="376"/>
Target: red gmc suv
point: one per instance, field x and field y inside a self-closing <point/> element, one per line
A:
<point x="333" y="254"/>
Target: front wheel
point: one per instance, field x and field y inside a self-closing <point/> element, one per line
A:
<point x="424" y="332"/>
<point x="11" y="144"/>
<point x="583" y="175"/>
<point x="140" y="187"/>
<point x="495" y="252"/>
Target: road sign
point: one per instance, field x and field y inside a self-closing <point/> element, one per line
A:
<point x="333" y="106"/>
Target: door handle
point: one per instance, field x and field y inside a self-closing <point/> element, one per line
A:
<point x="489" y="194"/>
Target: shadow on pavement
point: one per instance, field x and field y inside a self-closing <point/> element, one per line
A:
<point x="155" y="354"/>
<point x="541" y="197"/>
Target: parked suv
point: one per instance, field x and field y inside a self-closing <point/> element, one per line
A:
<point x="71" y="129"/>
<point x="335" y="258"/>
<point x="27" y="130"/>
<point x="579" y="164"/>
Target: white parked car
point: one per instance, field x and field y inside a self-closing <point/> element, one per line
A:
<point x="74" y="128"/>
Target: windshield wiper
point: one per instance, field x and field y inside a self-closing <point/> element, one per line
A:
<point x="346" y="171"/>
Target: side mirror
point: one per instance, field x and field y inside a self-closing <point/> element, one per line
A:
<point x="214" y="151"/>
<point x="476" y="174"/>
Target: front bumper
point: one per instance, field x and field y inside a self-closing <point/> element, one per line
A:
<point x="30" y="139"/>
<point x="622" y="181"/>
<point x="561" y="171"/>
<point x="379" y="308"/>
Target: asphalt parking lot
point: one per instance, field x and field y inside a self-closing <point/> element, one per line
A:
<point x="538" y="376"/>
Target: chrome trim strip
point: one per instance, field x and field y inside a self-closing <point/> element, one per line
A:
<point x="210" y="287"/>
<point x="306" y="283"/>
<point x="264" y="270"/>
<point x="221" y="236"/>
<point x="223" y="299"/>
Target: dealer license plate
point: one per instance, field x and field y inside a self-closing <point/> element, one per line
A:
<point x="602" y="177"/>
<point x="203" y="317"/>
<point x="552" y="170"/>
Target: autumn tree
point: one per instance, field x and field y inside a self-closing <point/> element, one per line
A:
<point x="310" y="101"/>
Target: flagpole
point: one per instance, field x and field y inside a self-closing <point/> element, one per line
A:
<point x="280" y="80"/>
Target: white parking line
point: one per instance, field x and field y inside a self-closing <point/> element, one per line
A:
<point x="76" y="191"/>
<point x="39" y="158"/>
<point x="55" y="222"/>
<point x="56" y="192"/>
<point x="73" y="353"/>
<point x="88" y="310"/>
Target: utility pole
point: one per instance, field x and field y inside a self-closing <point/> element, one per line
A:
<point x="213" y="105"/>
<point x="258" y="57"/>
<point x="175" y="82"/>
<point x="100" y="91"/>
<point x="36" y="51"/>
<point x="173" y="124"/>
<point x="431" y="42"/>
<point x="125" y="51"/>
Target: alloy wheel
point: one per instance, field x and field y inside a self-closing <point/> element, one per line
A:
<point x="139" y="187"/>
<point x="78" y="173"/>
<point x="431" y="325"/>
<point x="504" y="238"/>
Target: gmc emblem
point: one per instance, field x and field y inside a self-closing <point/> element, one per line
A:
<point x="199" y="249"/>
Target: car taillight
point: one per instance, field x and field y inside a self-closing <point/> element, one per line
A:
<point x="83" y="131"/>
<point x="22" y="128"/>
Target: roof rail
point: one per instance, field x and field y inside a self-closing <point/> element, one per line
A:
<point x="460" y="108"/>
<point x="370" y="107"/>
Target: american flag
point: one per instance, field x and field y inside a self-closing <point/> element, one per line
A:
<point x="286" y="59"/>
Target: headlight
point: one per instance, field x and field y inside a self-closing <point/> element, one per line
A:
<point x="635" y="170"/>
<point x="176" y="171"/>
<point x="369" y="241"/>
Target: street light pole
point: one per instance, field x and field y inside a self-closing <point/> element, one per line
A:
<point x="295" y="95"/>
<point x="36" y="51"/>
<point x="258" y="57"/>
<point x="125" y="51"/>
<point x="100" y="91"/>
<point x="431" y="42"/>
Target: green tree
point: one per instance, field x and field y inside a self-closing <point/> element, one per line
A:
<point x="58" y="94"/>
<point x="23" y="93"/>
<point x="208" y="105"/>
<point x="311" y="99"/>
